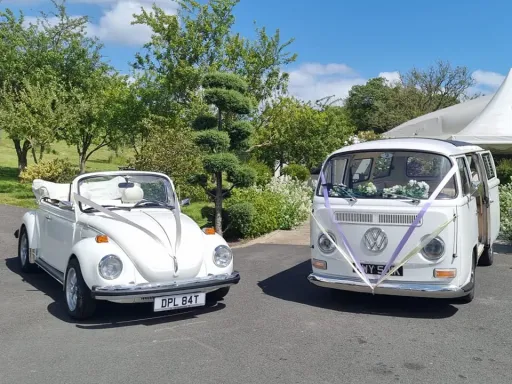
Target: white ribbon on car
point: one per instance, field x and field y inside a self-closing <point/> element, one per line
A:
<point x="351" y="258"/>
<point x="114" y="215"/>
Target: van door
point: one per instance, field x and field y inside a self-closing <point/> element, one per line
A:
<point x="477" y="173"/>
<point x="493" y="196"/>
<point x="467" y="212"/>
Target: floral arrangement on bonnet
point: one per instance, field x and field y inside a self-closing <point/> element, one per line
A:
<point x="414" y="189"/>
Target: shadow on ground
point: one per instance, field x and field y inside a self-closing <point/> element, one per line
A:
<point x="292" y="285"/>
<point x="107" y="315"/>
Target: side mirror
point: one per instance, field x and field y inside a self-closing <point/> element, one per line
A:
<point x="475" y="185"/>
<point x="185" y="202"/>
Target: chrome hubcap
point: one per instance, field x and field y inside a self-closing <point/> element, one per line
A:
<point x="71" y="289"/>
<point x="24" y="249"/>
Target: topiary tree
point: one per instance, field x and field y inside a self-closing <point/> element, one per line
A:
<point x="222" y="136"/>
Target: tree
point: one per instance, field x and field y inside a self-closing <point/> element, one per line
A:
<point x="199" y="40"/>
<point x="100" y="117"/>
<point x="293" y="131"/>
<point x="32" y="114"/>
<point x="440" y="85"/>
<point x="170" y="149"/>
<point x="220" y="135"/>
<point x="54" y="48"/>
<point x="380" y="106"/>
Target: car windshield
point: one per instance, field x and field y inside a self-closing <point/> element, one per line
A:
<point x="127" y="190"/>
<point x="386" y="175"/>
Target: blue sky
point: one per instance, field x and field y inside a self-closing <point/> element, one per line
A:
<point x="340" y="43"/>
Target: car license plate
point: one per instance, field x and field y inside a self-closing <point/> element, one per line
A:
<point x="376" y="269"/>
<point x="168" y="303"/>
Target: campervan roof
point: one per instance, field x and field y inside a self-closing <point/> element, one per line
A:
<point x="444" y="147"/>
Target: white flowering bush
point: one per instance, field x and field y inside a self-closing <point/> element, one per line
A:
<point x="296" y="200"/>
<point x="505" y="207"/>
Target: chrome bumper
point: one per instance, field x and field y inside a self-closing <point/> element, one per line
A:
<point x="395" y="288"/>
<point x="148" y="291"/>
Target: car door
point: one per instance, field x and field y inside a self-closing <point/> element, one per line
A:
<point x="468" y="212"/>
<point x="57" y="236"/>
<point x="493" y="199"/>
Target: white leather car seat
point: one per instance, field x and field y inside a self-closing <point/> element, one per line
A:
<point x="132" y="195"/>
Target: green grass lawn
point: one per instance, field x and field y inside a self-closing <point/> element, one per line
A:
<point x="12" y="192"/>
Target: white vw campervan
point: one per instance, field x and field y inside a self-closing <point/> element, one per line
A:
<point x="410" y="217"/>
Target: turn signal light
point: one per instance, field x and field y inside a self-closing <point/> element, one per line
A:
<point x="319" y="264"/>
<point x="102" y="239"/>
<point x="445" y="273"/>
<point x="209" y="231"/>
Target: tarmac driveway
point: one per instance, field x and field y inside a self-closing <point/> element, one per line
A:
<point x="273" y="327"/>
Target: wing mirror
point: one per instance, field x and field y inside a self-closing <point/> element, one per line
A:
<point x="185" y="202"/>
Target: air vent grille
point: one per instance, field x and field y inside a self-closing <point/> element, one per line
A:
<point x="348" y="217"/>
<point x="397" y="219"/>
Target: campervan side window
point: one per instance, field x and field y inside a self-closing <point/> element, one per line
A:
<point x="489" y="170"/>
<point x="464" y="175"/>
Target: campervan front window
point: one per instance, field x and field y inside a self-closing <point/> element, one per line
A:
<point x="383" y="175"/>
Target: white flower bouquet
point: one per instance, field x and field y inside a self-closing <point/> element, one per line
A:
<point x="368" y="189"/>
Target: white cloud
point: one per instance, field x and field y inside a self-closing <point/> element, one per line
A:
<point x="313" y="81"/>
<point x="115" y="23"/>
<point x="488" y="79"/>
<point x="391" y="77"/>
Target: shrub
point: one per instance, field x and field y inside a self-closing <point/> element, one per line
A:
<point x="297" y="171"/>
<point x="504" y="171"/>
<point x="56" y="170"/>
<point x="265" y="204"/>
<point x="505" y="207"/>
<point x="241" y="218"/>
<point x="283" y="203"/>
<point x="263" y="173"/>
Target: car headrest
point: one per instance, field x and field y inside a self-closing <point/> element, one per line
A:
<point x="132" y="195"/>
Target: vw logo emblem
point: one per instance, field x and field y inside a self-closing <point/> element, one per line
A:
<point x="375" y="240"/>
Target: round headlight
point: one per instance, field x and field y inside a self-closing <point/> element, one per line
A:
<point x="222" y="256"/>
<point x="434" y="250"/>
<point x="110" y="267"/>
<point x="326" y="244"/>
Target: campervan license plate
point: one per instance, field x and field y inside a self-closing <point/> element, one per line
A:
<point x="376" y="269"/>
<point x="168" y="303"/>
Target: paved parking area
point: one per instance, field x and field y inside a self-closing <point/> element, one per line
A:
<point x="274" y="327"/>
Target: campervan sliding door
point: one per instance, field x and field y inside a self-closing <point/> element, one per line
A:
<point x="491" y="183"/>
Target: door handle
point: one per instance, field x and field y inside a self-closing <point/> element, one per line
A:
<point x="48" y="217"/>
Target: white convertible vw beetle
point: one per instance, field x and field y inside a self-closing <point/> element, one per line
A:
<point x="120" y="236"/>
<point x="408" y="217"/>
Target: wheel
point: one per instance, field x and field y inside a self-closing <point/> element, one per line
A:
<point x="217" y="295"/>
<point x="23" y="252"/>
<point x="471" y="295"/>
<point x="79" y="302"/>
<point x="487" y="257"/>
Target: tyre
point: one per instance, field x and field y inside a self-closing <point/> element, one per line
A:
<point x="487" y="257"/>
<point x="79" y="302"/>
<point x="23" y="252"/>
<point x="471" y="295"/>
<point x="217" y="295"/>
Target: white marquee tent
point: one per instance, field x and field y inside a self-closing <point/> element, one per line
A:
<point x="485" y="121"/>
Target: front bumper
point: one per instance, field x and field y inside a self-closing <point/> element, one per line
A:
<point x="148" y="291"/>
<point x="395" y="288"/>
